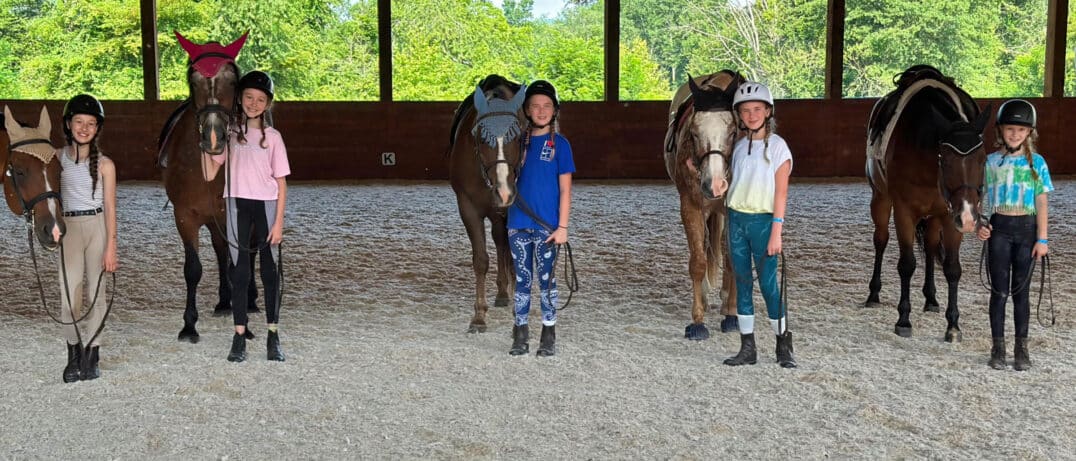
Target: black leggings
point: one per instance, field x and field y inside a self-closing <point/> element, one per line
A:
<point x="252" y="215"/>
<point x="1010" y="263"/>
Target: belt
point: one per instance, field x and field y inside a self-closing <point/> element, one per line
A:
<point x="82" y="212"/>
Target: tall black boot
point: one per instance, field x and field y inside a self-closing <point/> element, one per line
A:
<point x="784" y="350"/>
<point x="239" y="348"/>
<point x="520" y="336"/>
<point x="90" y="369"/>
<point x="747" y="354"/>
<point x="272" y="345"/>
<point x="547" y="347"/>
<point x="997" y="354"/>
<point x="1020" y="359"/>
<point x="74" y="363"/>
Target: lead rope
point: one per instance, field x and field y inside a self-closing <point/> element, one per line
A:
<point x="569" y="262"/>
<point x="1045" y="283"/>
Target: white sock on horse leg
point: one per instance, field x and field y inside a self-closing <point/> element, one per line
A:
<point x="747" y="324"/>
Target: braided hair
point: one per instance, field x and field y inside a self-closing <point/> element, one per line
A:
<point x="267" y="120"/>
<point x="95" y="158"/>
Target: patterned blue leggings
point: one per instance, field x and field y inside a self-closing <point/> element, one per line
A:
<point x="749" y="233"/>
<point x="529" y="251"/>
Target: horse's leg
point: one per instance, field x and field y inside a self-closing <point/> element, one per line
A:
<point x="905" y="226"/>
<point x="881" y="208"/>
<point x="505" y="270"/>
<point x="695" y="228"/>
<point x="192" y="274"/>
<point x="224" y="290"/>
<point x="719" y="242"/>
<point x="931" y="248"/>
<point x="476" y="232"/>
<point x="953" y="271"/>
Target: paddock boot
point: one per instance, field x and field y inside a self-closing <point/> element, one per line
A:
<point x="784" y="350"/>
<point x="547" y="347"/>
<point x="272" y="345"/>
<point x="74" y="363"/>
<point x="747" y="354"/>
<point x="90" y="370"/>
<point x="520" y="336"/>
<point x="997" y="354"/>
<point x="1020" y="359"/>
<point x="239" y="348"/>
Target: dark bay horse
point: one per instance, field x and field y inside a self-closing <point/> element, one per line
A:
<point x="925" y="162"/>
<point x="698" y="151"/>
<point x="201" y="125"/>
<point x="485" y="153"/>
<point x="32" y="177"/>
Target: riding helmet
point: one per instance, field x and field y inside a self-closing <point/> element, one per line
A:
<point x="1017" y="112"/>
<point x="544" y="88"/>
<point x="752" y="91"/>
<point x="258" y="80"/>
<point x="83" y="104"/>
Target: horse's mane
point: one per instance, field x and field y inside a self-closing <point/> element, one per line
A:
<point x="491" y="82"/>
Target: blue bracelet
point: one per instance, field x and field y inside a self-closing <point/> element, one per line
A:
<point x="1044" y="241"/>
<point x="780" y="220"/>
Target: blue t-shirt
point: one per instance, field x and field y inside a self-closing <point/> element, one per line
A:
<point x="539" y="181"/>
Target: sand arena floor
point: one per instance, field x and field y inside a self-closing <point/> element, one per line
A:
<point x="379" y="364"/>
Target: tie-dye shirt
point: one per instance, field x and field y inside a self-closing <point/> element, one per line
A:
<point x="1009" y="187"/>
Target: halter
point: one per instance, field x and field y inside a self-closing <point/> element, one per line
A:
<point x="962" y="155"/>
<point x="28" y="205"/>
<point x="483" y="167"/>
<point x="210" y="109"/>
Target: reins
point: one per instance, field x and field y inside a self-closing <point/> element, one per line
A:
<point x="1025" y="284"/>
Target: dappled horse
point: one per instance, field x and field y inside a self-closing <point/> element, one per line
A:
<point x="199" y="125"/>
<point x="698" y="151"/>
<point x="32" y="177"/>
<point x="485" y="153"/>
<point x="925" y="162"/>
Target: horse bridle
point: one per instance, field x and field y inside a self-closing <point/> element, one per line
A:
<point x="483" y="167"/>
<point x="9" y="170"/>
<point x="964" y="182"/>
<point x="209" y="109"/>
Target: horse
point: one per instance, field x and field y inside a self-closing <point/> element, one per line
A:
<point x="200" y="124"/>
<point x="925" y="162"/>
<point x="698" y="152"/>
<point x="485" y="153"/>
<point x="32" y="178"/>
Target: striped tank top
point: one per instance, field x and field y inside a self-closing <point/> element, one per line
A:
<point x="75" y="184"/>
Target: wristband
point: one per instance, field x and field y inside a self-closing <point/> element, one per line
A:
<point x="779" y="220"/>
<point x="1044" y="241"/>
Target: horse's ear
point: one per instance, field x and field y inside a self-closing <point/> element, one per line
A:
<point x="233" y="48"/>
<point x="521" y="95"/>
<point x="983" y="118"/>
<point x="43" y="124"/>
<point x="480" y="103"/>
<point x="692" y="86"/>
<point x="9" y="122"/>
<point x="190" y="47"/>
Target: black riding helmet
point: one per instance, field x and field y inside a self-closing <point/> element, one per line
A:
<point x="258" y="80"/>
<point x="83" y="104"/>
<point x="1017" y="112"/>
<point x="545" y="88"/>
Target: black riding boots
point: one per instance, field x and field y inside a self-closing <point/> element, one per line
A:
<point x="520" y="336"/>
<point x="73" y="369"/>
<point x="747" y="354"/>
<point x="997" y="354"/>
<point x="547" y="347"/>
<point x="1020" y="359"/>
<point x="272" y="345"/>
<point x="239" y="348"/>
<point x="784" y="350"/>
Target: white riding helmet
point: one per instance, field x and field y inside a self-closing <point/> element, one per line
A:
<point x="752" y="91"/>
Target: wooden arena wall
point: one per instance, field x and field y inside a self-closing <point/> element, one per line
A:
<point x="346" y="140"/>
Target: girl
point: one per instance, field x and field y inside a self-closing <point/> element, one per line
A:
<point x="761" y="165"/>
<point x="544" y="200"/>
<point x="1016" y="183"/>
<point x="88" y="187"/>
<point x="255" y="192"/>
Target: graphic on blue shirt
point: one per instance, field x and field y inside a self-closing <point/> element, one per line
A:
<point x="539" y="182"/>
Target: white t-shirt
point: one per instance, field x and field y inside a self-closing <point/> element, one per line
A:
<point x="753" y="185"/>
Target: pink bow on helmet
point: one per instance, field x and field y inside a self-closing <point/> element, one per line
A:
<point x="208" y="66"/>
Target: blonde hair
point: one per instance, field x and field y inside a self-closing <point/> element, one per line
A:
<point x="1028" y="146"/>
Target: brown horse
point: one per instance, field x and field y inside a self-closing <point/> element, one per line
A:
<point x="485" y="154"/>
<point x="201" y="125"/>
<point x="32" y="177"/>
<point x="698" y="150"/>
<point x="925" y="162"/>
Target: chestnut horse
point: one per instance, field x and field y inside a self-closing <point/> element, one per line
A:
<point x="698" y="151"/>
<point x="32" y="177"/>
<point x="200" y="125"/>
<point x="925" y="162"/>
<point x="485" y="152"/>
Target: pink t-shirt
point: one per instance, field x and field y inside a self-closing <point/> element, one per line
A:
<point x="254" y="170"/>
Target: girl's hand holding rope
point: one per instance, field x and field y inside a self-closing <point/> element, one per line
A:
<point x="111" y="262"/>
<point x="559" y="236"/>
<point x="984" y="232"/>
<point x="276" y="234"/>
<point x="1040" y="250"/>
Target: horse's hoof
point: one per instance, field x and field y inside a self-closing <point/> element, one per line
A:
<point x="730" y="324"/>
<point x="188" y="333"/>
<point x="871" y="305"/>
<point x="222" y="309"/>
<point x="696" y="332"/>
<point x="903" y="332"/>
<point x="473" y="328"/>
<point x="953" y="336"/>
<point x="931" y="307"/>
<point x="501" y="302"/>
